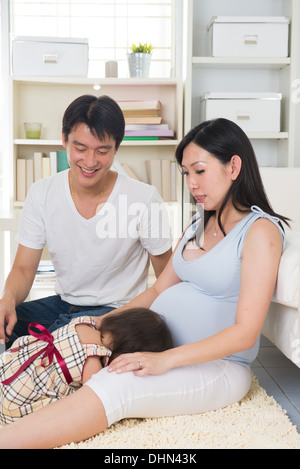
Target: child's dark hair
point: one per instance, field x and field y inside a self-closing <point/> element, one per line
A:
<point x="137" y="330"/>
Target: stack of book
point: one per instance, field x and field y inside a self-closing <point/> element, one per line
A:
<point x="39" y="166"/>
<point x="45" y="272"/>
<point x="44" y="281"/>
<point x="143" y="120"/>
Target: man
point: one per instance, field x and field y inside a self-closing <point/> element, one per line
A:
<point x="98" y="225"/>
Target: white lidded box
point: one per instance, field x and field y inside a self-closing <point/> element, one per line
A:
<point x="253" y="112"/>
<point x="248" y="36"/>
<point x="49" y="56"/>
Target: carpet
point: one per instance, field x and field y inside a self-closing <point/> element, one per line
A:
<point x="256" y="422"/>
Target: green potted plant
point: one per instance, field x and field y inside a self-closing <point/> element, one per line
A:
<point x="139" y="59"/>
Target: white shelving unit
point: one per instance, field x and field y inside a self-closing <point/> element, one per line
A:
<point x="242" y="74"/>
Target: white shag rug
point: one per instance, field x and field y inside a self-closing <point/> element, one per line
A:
<point x="256" y="422"/>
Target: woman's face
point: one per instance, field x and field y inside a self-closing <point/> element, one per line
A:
<point x="207" y="179"/>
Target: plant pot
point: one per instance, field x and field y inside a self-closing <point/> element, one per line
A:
<point x="139" y="64"/>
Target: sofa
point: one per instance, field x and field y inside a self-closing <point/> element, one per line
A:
<point x="282" y="325"/>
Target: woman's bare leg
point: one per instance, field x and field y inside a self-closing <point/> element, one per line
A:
<point x="73" y="418"/>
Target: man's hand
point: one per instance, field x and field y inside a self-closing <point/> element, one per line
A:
<point x="8" y="315"/>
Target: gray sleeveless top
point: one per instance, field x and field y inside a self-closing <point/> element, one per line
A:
<point x="205" y="302"/>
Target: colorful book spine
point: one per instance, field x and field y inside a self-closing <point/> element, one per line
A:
<point x="143" y="120"/>
<point x="21" y="180"/>
<point x="139" y="138"/>
<point x="62" y="160"/>
<point x="140" y="112"/>
<point x="150" y="133"/>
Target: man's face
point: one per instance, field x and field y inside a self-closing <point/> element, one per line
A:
<point x="89" y="158"/>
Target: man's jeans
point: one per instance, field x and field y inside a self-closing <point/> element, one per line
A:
<point x="52" y="312"/>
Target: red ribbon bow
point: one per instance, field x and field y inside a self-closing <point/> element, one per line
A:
<point x="48" y="352"/>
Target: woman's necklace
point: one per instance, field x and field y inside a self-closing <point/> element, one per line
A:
<point x="73" y="195"/>
<point x="233" y="220"/>
<point x="215" y="231"/>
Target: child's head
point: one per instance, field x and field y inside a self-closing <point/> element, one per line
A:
<point x="137" y="330"/>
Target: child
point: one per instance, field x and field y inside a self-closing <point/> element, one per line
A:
<point x="41" y="368"/>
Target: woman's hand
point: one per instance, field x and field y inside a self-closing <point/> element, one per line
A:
<point x="142" y="363"/>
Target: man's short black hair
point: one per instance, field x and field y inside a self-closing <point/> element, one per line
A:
<point x="102" y="115"/>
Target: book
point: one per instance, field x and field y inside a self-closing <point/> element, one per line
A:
<point x="46" y="166"/>
<point x="28" y="171"/>
<point x="146" y="127"/>
<point x="143" y="120"/>
<point x="150" y="133"/>
<point x="62" y="160"/>
<point x="139" y="104"/>
<point x="53" y="162"/>
<point x="153" y="169"/>
<point x="163" y="175"/>
<point x="45" y="272"/>
<point x="140" y="112"/>
<point x="140" y="138"/>
<point x="21" y="179"/>
<point x="166" y="180"/>
<point x="37" y="165"/>
<point x="45" y="265"/>
<point x="174" y="175"/>
<point x="123" y="168"/>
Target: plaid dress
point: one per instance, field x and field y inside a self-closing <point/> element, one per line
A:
<point x="42" y="382"/>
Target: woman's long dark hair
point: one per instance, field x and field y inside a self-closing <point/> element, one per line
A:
<point x="223" y="139"/>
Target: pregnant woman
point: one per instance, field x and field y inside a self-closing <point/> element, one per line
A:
<point x="214" y="295"/>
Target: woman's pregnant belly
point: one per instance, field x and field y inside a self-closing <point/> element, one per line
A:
<point x="193" y="315"/>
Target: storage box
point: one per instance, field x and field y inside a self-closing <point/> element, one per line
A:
<point x="44" y="56"/>
<point x="253" y="112"/>
<point x="248" y="36"/>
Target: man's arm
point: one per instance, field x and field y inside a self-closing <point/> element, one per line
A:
<point x="160" y="262"/>
<point x="17" y="286"/>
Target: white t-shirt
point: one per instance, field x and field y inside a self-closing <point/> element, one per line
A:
<point x="103" y="260"/>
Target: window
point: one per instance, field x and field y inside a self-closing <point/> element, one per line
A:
<point x="3" y="31"/>
<point x="110" y="27"/>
